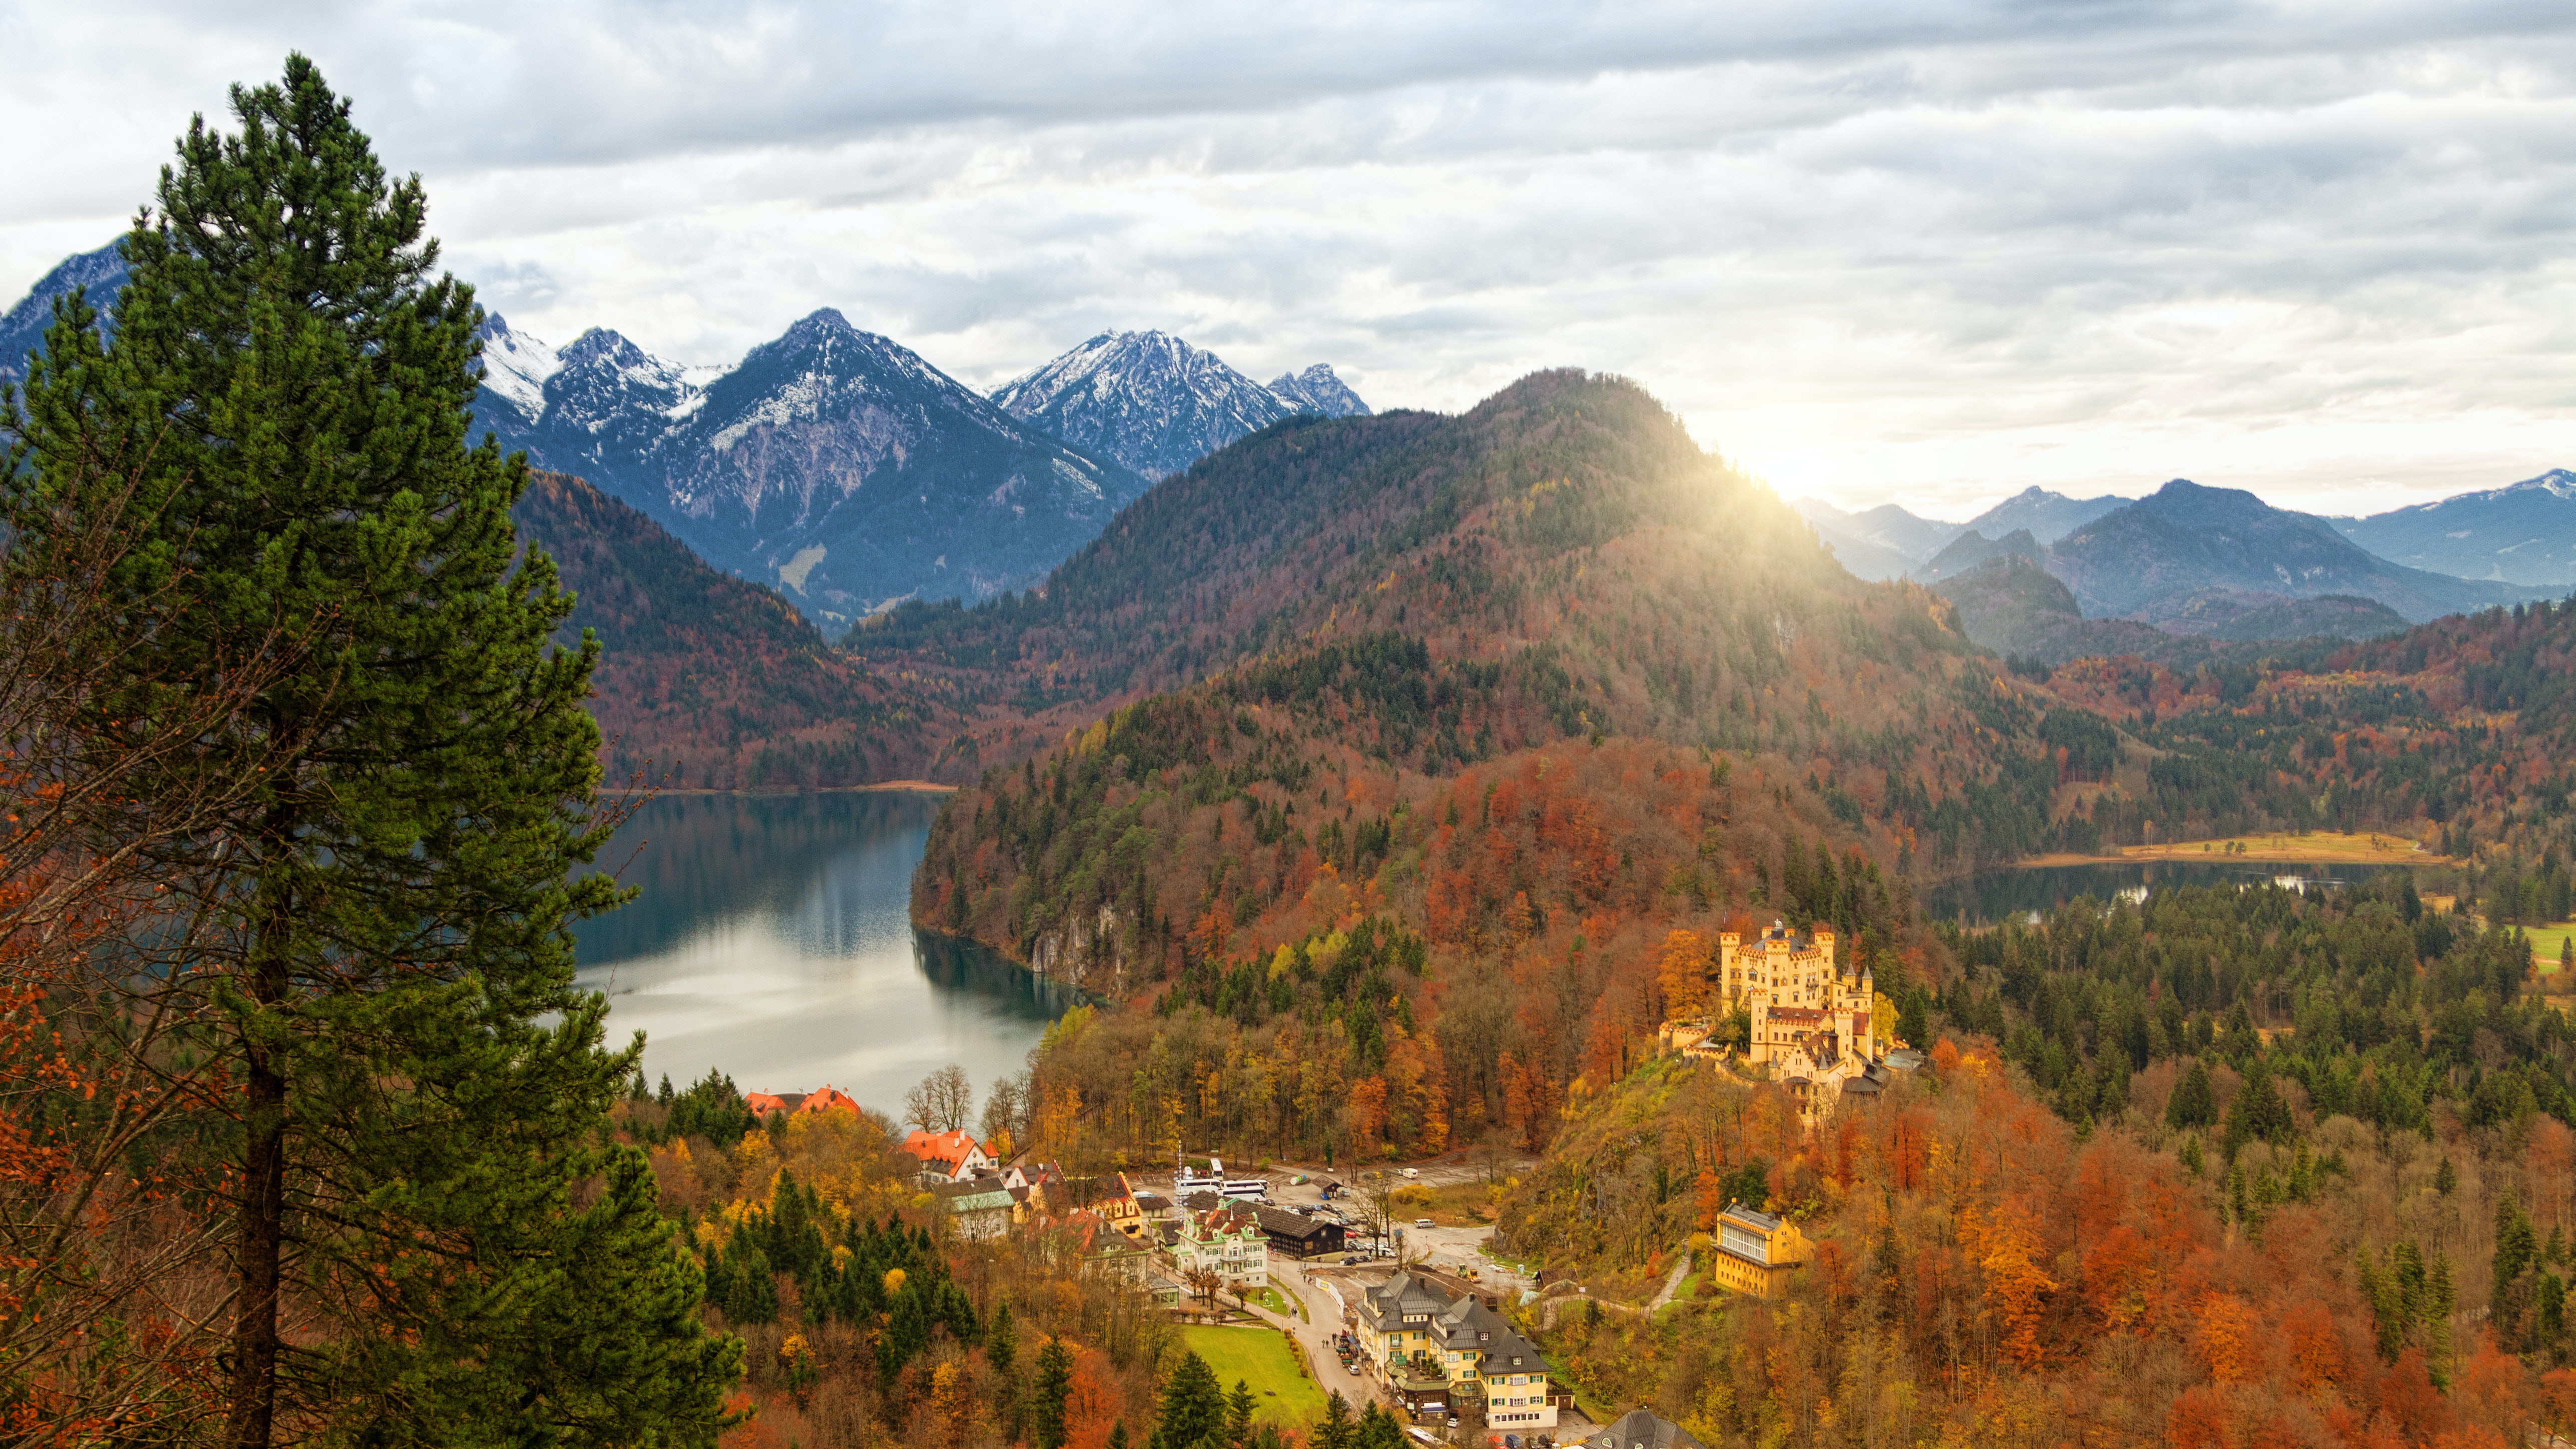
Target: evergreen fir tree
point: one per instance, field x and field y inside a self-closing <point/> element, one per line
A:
<point x="420" y="1086"/>
<point x="1334" y="1430"/>
<point x="1378" y="1430"/>
<point x="2192" y="1104"/>
<point x="1193" y="1408"/>
<point x="1118" y="1435"/>
<point x="1047" y="1397"/>
<point x="1238" y="1414"/>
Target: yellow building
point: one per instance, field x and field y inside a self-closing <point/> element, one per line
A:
<point x="1755" y="1252"/>
<point x="1809" y="1015"/>
<point x="1440" y="1354"/>
<point x="1123" y="1213"/>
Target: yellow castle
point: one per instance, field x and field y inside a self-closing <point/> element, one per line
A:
<point x="1810" y="1017"/>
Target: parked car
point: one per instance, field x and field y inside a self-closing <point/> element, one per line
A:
<point x="1350" y="1260"/>
<point x="1411" y="1172"/>
<point x="1422" y="1222"/>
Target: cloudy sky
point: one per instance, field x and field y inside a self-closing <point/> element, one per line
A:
<point x="1929" y="253"/>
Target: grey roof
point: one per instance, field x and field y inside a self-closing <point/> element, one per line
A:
<point x="1750" y="1218"/>
<point x="1640" y="1429"/>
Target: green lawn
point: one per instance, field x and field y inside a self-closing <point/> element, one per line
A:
<point x="1259" y="1357"/>
<point x="2546" y="941"/>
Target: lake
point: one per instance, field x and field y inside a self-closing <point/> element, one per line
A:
<point x="773" y="942"/>
<point x="1992" y="895"/>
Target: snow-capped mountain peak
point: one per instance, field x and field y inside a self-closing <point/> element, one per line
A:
<point x="516" y="366"/>
<point x="1153" y="401"/>
<point x="1317" y="390"/>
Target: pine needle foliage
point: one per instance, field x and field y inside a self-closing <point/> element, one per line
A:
<point x="428" y="1239"/>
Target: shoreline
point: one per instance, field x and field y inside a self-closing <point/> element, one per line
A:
<point x="917" y="787"/>
<point x="2261" y="850"/>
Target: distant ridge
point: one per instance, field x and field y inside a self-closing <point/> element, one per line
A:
<point x="1156" y="403"/>
<point x="2048" y="516"/>
<point x="2523" y="533"/>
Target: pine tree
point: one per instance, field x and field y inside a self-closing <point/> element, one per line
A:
<point x="1378" y="1429"/>
<point x="420" y="1086"/>
<point x="2193" y="1104"/>
<point x="1334" y="1430"/>
<point x="1238" y="1414"/>
<point x="1047" y="1398"/>
<point x="1002" y="1355"/>
<point x="1193" y="1408"/>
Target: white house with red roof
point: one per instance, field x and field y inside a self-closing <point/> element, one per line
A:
<point x="948" y="1156"/>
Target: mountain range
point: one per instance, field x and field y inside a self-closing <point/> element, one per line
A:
<point x="1155" y="404"/>
<point x="838" y="464"/>
<point x="1888" y="542"/>
<point x="2524" y="533"/>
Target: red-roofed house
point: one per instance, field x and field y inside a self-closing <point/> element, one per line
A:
<point x="764" y="1104"/>
<point x="830" y="1099"/>
<point x="948" y="1156"/>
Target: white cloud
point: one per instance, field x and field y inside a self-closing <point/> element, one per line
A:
<point x="1931" y="252"/>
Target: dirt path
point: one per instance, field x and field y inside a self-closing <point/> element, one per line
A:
<point x="1673" y="1283"/>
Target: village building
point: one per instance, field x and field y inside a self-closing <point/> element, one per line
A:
<point x="765" y="1105"/>
<point x="1444" y="1354"/>
<point x="1292" y="1233"/>
<point x="1124" y="1214"/>
<point x="976" y="1210"/>
<point x="1105" y="1252"/>
<point x="1756" y="1252"/>
<point x="1225" y="1240"/>
<point x="947" y="1156"/>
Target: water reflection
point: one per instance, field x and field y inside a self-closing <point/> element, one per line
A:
<point x="772" y="941"/>
<point x="1992" y="895"/>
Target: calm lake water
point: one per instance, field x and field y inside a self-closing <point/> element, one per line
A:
<point x="1990" y="896"/>
<point x="772" y="942"/>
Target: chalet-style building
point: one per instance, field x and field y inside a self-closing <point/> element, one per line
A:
<point x="1439" y="1353"/>
<point x="765" y="1105"/>
<point x="1756" y="1252"/>
<point x="947" y="1156"/>
<point x="1295" y="1234"/>
<point x="1226" y="1240"/>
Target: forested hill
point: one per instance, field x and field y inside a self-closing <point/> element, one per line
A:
<point x="706" y="680"/>
<point x="1556" y="598"/>
<point x="1568" y="519"/>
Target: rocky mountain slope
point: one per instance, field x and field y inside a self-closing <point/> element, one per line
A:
<point x="2524" y="533"/>
<point x="22" y="327"/>
<point x="832" y="461"/>
<point x="1155" y="404"/>
<point x="1318" y="391"/>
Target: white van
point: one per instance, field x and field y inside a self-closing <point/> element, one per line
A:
<point x="1410" y="1172"/>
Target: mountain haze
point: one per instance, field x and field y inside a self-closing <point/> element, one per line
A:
<point x="2048" y="516"/>
<point x="2523" y="533"/>
<point x="2185" y="538"/>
